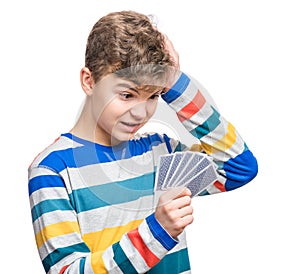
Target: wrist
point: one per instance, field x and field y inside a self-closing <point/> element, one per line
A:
<point x="159" y="232"/>
<point x="177" y="88"/>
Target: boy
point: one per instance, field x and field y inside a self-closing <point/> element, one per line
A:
<point x="91" y="191"/>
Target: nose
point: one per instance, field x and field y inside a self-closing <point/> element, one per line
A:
<point x="139" y="111"/>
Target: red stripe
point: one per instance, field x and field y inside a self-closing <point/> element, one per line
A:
<point x="145" y="252"/>
<point x="192" y="108"/>
<point x="220" y="186"/>
<point x="63" y="269"/>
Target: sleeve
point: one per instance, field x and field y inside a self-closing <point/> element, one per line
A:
<point x="218" y="138"/>
<point x="61" y="246"/>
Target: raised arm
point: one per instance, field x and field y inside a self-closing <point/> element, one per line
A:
<point x="218" y="138"/>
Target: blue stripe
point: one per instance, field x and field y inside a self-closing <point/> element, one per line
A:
<point x="113" y="193"/>
<point x="240" y="170"/>
<point x="44" y="181"/>
<point x="49" y="206"/>
<point x="122" y="261"/>
<point x="167" y="141"/>
<point x="81" y="265"/>
<point x="91" y="153"/>
<point x="173" y="263"/>
<point x="159" y="233"/>
<point x="60" y="253"/>
<point x="177" y="90"/>
<point x="208" y="126"/>
<point x="72" y="157"/>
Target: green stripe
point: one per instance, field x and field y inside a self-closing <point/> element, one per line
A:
<point x="173" y="263"/>
<point x="208" y="126"/>
<point x="113" y="193"/>
<point x="81" y="265"/>
<point x="121" y="260"/>
<point x="49" y="206"/>
<point x="60" y="253"/>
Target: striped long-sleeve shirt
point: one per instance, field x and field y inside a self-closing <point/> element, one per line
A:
<point x="93" y="206"/>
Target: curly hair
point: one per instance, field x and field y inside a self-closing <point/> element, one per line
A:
<point x="126" y="43"/>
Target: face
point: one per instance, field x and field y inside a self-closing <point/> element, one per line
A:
<point x="120" y="109"/>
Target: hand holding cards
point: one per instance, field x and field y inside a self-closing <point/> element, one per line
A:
<point x="193" y="170"/>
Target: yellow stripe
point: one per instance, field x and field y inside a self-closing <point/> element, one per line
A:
<point x="97" y="263"/>
<point x="101" y="240"/>
<point x="55" y="230"/>
<point x="224" y="143"/>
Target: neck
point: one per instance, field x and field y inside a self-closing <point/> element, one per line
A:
<point x="86" y="127"/>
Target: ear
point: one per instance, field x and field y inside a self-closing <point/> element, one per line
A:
<point x="86" y="81"/>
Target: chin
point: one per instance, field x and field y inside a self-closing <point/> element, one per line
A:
<point x="117" y="139"/>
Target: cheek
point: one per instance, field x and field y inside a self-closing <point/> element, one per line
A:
<point x="111" y="112"/>
<point x="151" y="107"/>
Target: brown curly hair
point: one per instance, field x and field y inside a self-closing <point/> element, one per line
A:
<point x="128" y="44"/>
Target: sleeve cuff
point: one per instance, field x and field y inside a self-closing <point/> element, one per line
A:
<point x="177" y="89"/>
<point x="159" y="233"/>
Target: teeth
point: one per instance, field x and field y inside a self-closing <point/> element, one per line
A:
<point x="129" y="124"/>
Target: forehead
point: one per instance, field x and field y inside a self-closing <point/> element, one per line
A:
<point x="150" y="89"/>
<point x="116" y="81"/>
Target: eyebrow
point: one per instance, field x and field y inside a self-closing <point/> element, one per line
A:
<point x="130" y="87"/>
<point x="127" y="86"/>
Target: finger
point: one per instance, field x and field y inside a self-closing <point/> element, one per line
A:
<point x="181" y="202"/>
<point x="185" y="211"/>
<point x="173" y="53"/>
<point x="185" y="221"/>
<point x="172" y="193"/>
<point x="184" y="192"/>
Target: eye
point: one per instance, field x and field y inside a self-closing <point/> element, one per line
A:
<point x="154" y="96"/>
<point x="125" y="95"/>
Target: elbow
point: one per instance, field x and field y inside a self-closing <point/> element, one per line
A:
<point x="240" y="170"/>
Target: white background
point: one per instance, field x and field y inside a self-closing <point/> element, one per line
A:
<point x="246" y="54"/>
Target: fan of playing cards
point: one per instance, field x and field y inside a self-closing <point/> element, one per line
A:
<point x="193" y="170"/>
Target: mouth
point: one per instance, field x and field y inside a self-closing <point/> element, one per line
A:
<point x="131" y="127"/>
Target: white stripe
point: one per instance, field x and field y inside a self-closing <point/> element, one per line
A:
<point x="184" y="99"/>
<point x="103" y="173"/>
<point x="88" y="269"/>
<point x="110" y="264"/>
<point x="74" y="268"/>
<point x="51" y="218"/>
<point x="59" y="242"/>
<point x="47" y="193"/>
<point x="116" y="215"/>
<point x="160" y="150"/>
<point x="198" y="118"/>
<point x="39" y="171"/>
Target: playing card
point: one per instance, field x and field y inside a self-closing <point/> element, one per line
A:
<point x="187" y="156"/>
<point x="163" y="167"/>
<point x="194" y="161"/>
<point x="199" y="182"/>
<point x="193" y="170"/>
<point x="173" y="166"/>
<point x="196" y="169"/>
